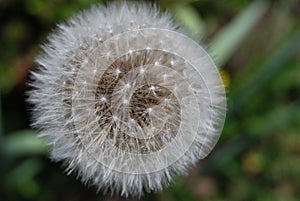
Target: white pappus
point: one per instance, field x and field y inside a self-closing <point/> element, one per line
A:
<point x="126" y="100"/>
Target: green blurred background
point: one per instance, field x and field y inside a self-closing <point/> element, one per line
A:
<point x="257" y="46"/>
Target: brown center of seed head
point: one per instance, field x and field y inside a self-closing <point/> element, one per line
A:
<point x="141" y="103"/>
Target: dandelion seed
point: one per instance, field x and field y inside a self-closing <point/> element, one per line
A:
<point x="120" y="112"/>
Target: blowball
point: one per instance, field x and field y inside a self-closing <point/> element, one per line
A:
<point x="125" y="100"/>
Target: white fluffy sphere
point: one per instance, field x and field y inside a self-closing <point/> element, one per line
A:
<point x="125" y="100"/>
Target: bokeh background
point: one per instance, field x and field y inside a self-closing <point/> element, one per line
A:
<point x="256" y="44"/>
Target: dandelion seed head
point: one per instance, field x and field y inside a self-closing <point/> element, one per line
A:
<point x="126" y="100"/>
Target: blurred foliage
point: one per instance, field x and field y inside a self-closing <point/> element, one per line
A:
<point x="257" y="46"/>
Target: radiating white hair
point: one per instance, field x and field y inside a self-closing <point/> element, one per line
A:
<point x="125" y="100"/>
